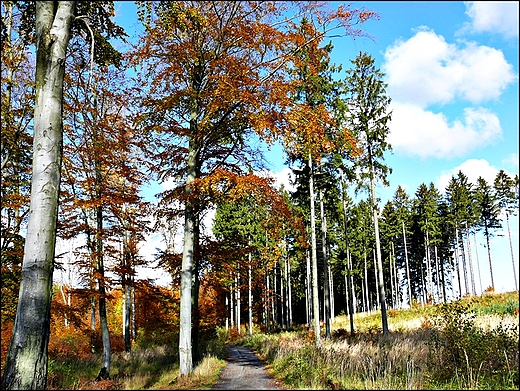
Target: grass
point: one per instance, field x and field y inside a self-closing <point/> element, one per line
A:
<point x="470" y="344"/>
<point x="433" y="347"/>
<point x="142" y="369"/>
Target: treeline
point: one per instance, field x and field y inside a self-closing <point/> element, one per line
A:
<point x="428" y="245"/>
<point x="86" y="126"/>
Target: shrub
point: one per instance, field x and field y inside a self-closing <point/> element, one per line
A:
<point x="458" y="347"/>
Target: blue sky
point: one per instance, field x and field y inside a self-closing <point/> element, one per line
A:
<point x="452" y="75"/>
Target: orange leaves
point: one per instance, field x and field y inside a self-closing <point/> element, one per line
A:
<point x="229" y="185"/>
<point x="309" y="135"/>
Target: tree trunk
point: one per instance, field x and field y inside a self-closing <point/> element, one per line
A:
<point x="437" y="274"/>
<point x="126" y="292"/>
<point x="410" y="298"/>
<point x="348" y="276"/>
<point x="195" y="316"/>
<point x="308" y="294"/>
<point x="134" y="324"/>
<point x="250" y="295"/>
<point x="367" y="300"/>
<point x="105" y="336"/>
<point x="382" y="295"/>
<point x="429" y="296"/>
<point x="478" y="263"/>
<point x="26" y="362"/>
<point x="464" y="270"/>
<point x="238" y="299"/>
<point x="489" y="257"/>
<point x="289" y="293"/>
<point x="315" y="299"/>
<point x="511" y="248"/>
<point x="190" y="217"/>
<point x="127" y="301"/>
<point x="326" y="299"/>
<point x="376" y="279"/>
<point x="470" y="261"/>
<point x="457" y="266"/>
<point x="392" y="290"/>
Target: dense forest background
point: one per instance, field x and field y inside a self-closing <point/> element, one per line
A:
<point x="208" y="83"/>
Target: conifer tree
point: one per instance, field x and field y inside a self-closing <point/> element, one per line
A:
<point x="368" y="119"/>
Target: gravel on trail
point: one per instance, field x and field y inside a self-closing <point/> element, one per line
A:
<point x="244" y="371"/>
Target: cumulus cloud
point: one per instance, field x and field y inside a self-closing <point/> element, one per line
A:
<point x="472" y="168"/>
<point x="499" y="17"/>
<point x="427" y="70"/>
<point x="511" y="160"/>
<point x="284" y="178"/>
<point x="418" y="132"/>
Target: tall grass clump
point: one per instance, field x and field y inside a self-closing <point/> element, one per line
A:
<point x="464" y="353"/>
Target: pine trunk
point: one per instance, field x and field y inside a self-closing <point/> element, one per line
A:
<point x="410" y="297"/>
<point x="511" y="248"/>
<point x="326" y="299"/>
<point x="315" y="299"/>
<point x="470" y="261"/>
<point x="381" y="286"/>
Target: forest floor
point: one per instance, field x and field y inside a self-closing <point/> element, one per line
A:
<point x="244" y="371"/>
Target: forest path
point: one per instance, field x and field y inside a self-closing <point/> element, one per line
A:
<point x="244" y="371"/>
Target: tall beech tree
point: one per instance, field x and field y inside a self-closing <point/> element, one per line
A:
<point x="102" y="177"/>
<point x="368" y="120"/>
<point x="26" y="364"/>
<point x="54" y="22"/>
<point x="217" y="74"/>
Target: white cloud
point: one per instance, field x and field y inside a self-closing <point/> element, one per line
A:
<point x="427" y="70"/>
<point x="511" y="160"/>
<point x="282" y="177"/>
<point x="499" y="17"/>
<point x="472" y="168"/>
<point x="423" y="133"/>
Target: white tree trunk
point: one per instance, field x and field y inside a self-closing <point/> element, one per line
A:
<point x="381" y="286"/>
<point x="470" y="261"/>
<point x="315" y="299"/>
<point x="326" y="299"/>
<point x="190" y="218"/>
<point x="512" y="253"/>
<point x="250" y="296"/>
<point x="407" y="267"/>
<point x="26" y="363"/>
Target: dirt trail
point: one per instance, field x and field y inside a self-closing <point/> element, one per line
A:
<point x="244" y="371"/>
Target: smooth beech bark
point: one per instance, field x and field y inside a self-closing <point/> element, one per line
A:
<point x="26" y="364"/>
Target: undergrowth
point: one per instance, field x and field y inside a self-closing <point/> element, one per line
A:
<point x="468" y="344"/>
<point x="448" y="346"/>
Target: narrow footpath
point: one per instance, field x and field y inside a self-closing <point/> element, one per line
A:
<point x="244" y="371"/>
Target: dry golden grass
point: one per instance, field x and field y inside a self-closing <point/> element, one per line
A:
<point x="203" y="377"/>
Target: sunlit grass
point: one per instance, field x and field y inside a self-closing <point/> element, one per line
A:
<point x="365" y="360"/>
<point x="401" y="360"/>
